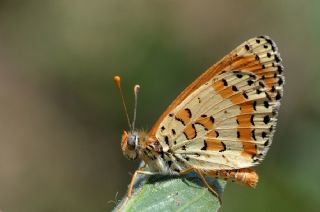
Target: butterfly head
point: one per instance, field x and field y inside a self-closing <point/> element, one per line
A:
<point x="129" y="144"/>
<point x="129" y="141"/>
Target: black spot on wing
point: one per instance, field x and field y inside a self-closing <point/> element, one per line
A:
<point x="225" y="83"/>
<point x="266" y="119"/>
<point x="258" y="91"/>
<point x="166" y="139"/>
<point x="251" y="119"/>
<point x="255" y="105"/>
<point x="195" y="131"/>
<point x="204" y="145"/>
<point x="253" y="134"/>
<point x="239" y="75"/>
<point x="277" y="58"/>
<point x="180" y="120"/>
<point x="189" y="112"/>
<point x="185" y="135"/>
<point x="268" y="96"/>
<point x="250" y="82"/>
<point x="271" y="128"/>
<point x="245" y="95"/>
<point x="278" y="96"/>
<point x="173" y="132"/>
<point x="264" y="134"/>
<point x="224" y="147"/>
<point x="253" y="76"/>
<point x="280" y="69"/>
<point x="280" y="81"/>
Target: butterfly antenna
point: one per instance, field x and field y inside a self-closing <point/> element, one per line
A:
<point x="117" y="81"/>
<point x="136" y="90"/>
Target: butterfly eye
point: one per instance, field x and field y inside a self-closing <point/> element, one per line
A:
<point x="132" y="141"/>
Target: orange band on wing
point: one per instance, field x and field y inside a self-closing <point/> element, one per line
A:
<point x="243" y="62"/>
<point x="183" y="116"/>
<point x="206" y="122"/>
<point x="246" y="108"/>
<point x="244" y="120"/>
<point x="253" y="68"/>
<point x="214" y="144"/>
<point x="245" y="133"/>
<point x="217" y="86"/>
<point x="249" y="149"/>
<point x="190" y="132"/>
<point x="227" y="92"/>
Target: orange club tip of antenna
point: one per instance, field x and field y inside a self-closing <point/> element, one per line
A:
<point x="117" y="80"/>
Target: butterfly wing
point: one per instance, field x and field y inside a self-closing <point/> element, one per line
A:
<point x="226" y="118"/>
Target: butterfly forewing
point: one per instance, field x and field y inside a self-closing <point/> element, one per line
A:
<point x="226" y="118"/>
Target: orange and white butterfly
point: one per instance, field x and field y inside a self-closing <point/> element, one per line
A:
<point x="219" y="126"/>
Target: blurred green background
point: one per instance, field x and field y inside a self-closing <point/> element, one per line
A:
<point x="61" y="117"/>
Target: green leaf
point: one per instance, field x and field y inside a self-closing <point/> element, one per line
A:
<point x="172" y="193"/>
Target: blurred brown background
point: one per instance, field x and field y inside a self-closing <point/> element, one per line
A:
<point x="61" y="117"/>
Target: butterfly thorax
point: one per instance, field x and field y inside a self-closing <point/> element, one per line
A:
<point x="137" y="144"/>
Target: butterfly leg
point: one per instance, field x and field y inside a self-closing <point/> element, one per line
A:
<point x="130" y="187"/>
<point x="186" y="171"/>
<point x="200" y="174"/>
<point x="136" y="173"/>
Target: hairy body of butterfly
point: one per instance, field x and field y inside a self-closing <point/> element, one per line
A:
<point x="220" y="125"/>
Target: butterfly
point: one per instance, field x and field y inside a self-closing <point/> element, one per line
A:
<point x="221" y="125"/>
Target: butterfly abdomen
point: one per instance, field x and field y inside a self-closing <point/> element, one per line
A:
<point x="245" y="176"/>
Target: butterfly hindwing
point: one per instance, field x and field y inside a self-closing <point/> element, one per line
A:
<point x="226" y="119"/>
